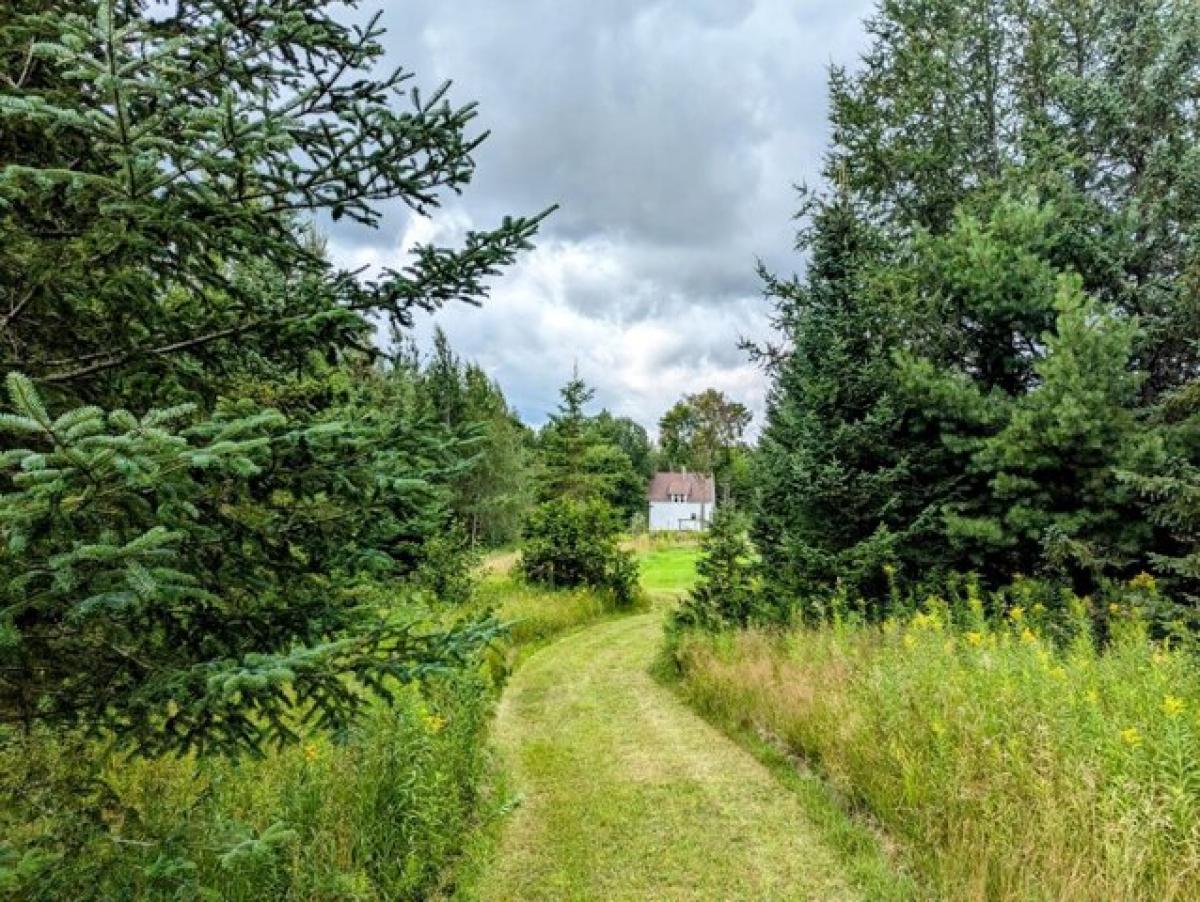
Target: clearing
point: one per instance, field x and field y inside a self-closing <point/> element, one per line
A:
<point x="625" y="793"/>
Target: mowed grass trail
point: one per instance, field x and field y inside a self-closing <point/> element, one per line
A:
<point x="625" y="793"/>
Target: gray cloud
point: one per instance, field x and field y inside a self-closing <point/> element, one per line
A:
<point x="670" y="132"/>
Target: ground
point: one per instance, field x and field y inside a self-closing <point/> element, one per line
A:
<point x="622" y="792"/>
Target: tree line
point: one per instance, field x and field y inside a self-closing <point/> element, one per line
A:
<point x="991" y="361"/>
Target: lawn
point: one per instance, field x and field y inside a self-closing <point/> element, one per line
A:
<point x="668" y="569"/>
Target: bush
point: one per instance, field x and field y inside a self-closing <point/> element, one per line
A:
<point x="1008" y="765"/>
<point x="571" y="543"/>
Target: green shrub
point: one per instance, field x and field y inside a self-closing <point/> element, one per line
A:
<point x="571" y="543"/>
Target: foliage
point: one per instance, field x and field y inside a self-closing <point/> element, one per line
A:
<point x="1170" y="493"/>
<point x="221" y="572"/>
<point x="701" y="433"/>
<point x="583" y="457"/>
<point x="837" y="489"/>
<point x="999" y="293"/>
<point x="725" y="594"/>
<point x="1007" y="765"/>
<point x="630" y="437"/>
<point x="125" y="222"/>
<point x="574" y="543"/>
<point x="157" y="588"/>
<point x="378" y="815"/>
<point x="493" y="492"/>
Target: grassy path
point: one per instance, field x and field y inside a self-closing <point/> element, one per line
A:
<point x="627" y="794"/>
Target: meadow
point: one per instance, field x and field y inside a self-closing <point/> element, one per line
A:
<point x="1003" y="764"/>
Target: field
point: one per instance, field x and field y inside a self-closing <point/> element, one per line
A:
<point x="618" y="791"/>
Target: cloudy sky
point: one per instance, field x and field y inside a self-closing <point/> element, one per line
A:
<point x="670" y="132"/>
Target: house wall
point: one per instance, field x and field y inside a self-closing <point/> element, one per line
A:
<point x="669" y="516"/>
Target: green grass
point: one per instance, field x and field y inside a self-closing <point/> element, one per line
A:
<point x="668" y="570"/>
<point x="626" y="794"/>
<point x="619" y="791"/>
<point x="385" y="814"/>
<point x="1005" y="768"/>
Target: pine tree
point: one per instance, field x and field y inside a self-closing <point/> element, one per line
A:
<point x="151" y="591"/>
<point x="1054" y="499"/>
<point x="212" y="584"/>
<point x="223" y="124"/>
<point x="725" y="595"/>
<point x="987" y="150"/>
<point x="565" y="442"/>
<point x="1168" y="485"/>
<point x="835" y="483"/>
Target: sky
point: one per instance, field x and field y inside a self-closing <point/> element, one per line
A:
<point x="671" y="134"/>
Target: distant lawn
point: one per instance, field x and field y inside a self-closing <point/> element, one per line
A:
<point x="669" y="568"/>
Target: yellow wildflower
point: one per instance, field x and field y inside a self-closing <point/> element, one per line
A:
<point x="1093" y="696"/>
<point x="1143" y="581"/>
<point x="1017" y="614"/>
<point x="1114" y="608"/>
<point x="975" y="638"/>
<point x="1027" y="635"/>
<point x="1059" y="673"/>
<point x="1172" y="706"/>
<point x="311" y="752"/>
<point x="909" y="641"/>
<point x="434" y="723"/>
<point x="1131" y="737"/>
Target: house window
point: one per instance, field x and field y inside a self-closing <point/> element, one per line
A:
<point x="678" y="498"/>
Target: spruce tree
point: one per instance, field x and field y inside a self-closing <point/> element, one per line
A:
<point x="241" y="566"/>
<point x="156" y="151"/>
<point x="725" y="595"/>
<point x="836" y="486"/>
<point x="160" y="588"/>
<point x="988" y="150"/>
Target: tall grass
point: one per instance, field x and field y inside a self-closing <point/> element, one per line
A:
<point x="535" y="614"/>
<point x="1007" y="766"/>
<point x="380" y="815"/>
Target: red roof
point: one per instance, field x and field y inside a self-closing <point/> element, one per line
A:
<point x="695" y="488"/>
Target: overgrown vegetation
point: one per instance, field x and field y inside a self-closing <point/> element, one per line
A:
<point x="1011" y="763"/>
<point x="378" y="814"/>
<point x="976" y="507"/>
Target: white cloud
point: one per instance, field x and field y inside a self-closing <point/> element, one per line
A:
<point x="670" y="131"/>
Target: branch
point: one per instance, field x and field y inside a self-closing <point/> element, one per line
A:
<point x="15" y="310"/>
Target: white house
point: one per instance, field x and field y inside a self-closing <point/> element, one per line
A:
<point x="681" y="502"/>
